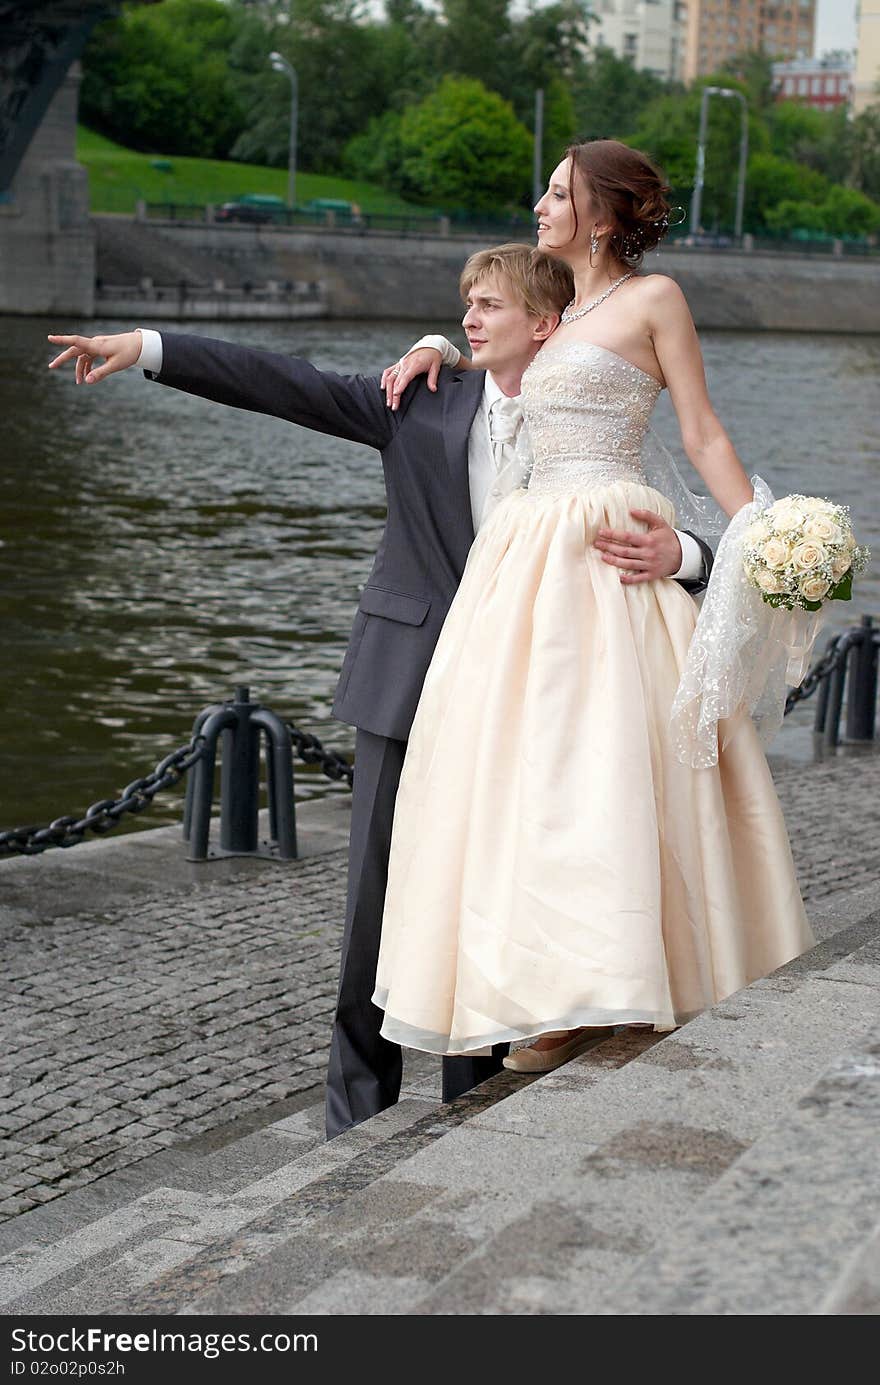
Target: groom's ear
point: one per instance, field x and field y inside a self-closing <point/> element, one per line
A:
<point x="545" y="326"/>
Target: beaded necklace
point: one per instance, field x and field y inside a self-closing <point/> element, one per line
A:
<point x="568" y="316"/>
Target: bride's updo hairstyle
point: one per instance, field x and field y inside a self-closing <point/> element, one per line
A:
<point x="629" y="192"/>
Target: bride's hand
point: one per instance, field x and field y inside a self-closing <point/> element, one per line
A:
<point x="118" y="352"/>
<point x="395" y="378"/>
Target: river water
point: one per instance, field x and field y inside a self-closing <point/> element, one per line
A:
<point x="157" y="550"/>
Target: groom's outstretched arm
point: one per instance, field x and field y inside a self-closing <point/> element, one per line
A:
<point x="266" y="382"/>
<point x="346" y="406"/>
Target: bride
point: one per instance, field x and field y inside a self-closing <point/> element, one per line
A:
<point x="556" y="868"/>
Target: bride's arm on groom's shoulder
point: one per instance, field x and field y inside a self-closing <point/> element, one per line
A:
<point x="424" y="357"/>
<point x="267" y="382"/>
<point x="681" y="360"/>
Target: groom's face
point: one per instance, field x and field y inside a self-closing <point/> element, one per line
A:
<point x="501" y="333"/>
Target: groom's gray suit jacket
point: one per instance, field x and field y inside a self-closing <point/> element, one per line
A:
<point x="428" y="531"/>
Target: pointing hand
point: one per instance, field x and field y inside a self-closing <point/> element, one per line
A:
<point x="118" y="352"/>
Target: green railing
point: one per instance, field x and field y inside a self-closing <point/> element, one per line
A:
<point x="469" y="225"/>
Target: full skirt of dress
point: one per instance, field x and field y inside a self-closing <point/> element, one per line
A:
<point x="553" y="863"/>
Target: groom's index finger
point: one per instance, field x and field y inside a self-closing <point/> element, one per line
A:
<point x="65" y="356"/>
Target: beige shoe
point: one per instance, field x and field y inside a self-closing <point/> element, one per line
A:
<point x="546" y="1059"/>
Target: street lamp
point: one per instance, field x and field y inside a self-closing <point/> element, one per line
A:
<point x="537" y="164"/>
<point x="697" y="199"/>
<point x="280" y="64"/>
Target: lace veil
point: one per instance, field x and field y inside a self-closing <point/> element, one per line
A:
<point x="743" y="655"/>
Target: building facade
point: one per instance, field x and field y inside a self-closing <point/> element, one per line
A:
<point x="822" y="83"/>
<point x="717" y="30"/>
<point x="867" y="73"/>
<point x="650" y="33"/>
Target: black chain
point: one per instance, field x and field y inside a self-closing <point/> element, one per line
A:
<point x="833" y="656"/>
<point x="102" y="816"/>
<point x="310" y="749"/>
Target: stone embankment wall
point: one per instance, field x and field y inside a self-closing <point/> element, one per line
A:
<point x="416" y="278"/>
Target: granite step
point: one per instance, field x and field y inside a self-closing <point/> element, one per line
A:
<point x="543" y="1202"/>
<point x="670" y="1158"/>
<point x="525" y="1196"/>
<point x="792" y="1227"/>
<point x="165" y="1235"/>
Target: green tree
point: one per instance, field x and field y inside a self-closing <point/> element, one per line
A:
<point x="864" y="152"/>
<point x="789" y="216"/>
<point x="847" y="212"/>
<point x="772" y="180"/>
<point x="463" y="147"/>
<point x="161" y="77"/>
<point x="346" y="73"/>
<point x="611" y="96"/>
<point x="668" y="132"/>
<point x="476" y="41"/>
<point x="818" y="139"/>
<point x="376" y="155"/>
<point x="548" y="46"/>
<point x="844" y="212"/>
<point x="753" y="70"/>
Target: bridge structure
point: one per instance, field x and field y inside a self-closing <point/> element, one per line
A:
<point x="47" y="242"/>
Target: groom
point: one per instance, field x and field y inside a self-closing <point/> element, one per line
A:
<point x="443" y="460"/>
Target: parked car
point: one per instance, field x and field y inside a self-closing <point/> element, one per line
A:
<point x="344" y="212"/>
<point x="253" y="207"/>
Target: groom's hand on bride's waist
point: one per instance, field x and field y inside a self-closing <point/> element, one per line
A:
<point x="641" y="556"/>
<point x="118" y="352"/>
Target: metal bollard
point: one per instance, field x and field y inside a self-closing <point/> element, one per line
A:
<point x="862" y="696"/>
<point x="859" y="647"/>
<point x="240" y="724"/>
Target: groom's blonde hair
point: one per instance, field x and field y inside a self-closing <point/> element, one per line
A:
<point x="543" y="284"/>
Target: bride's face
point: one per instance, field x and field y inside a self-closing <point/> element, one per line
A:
<point x="559" y="233"/>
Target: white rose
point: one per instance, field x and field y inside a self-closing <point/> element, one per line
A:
<point x="786" y="517"/>
<point x="775" y="553"/>
<point x="841" y="564"/>
<point x="813" y="588"/>
<point x="822" y="527"/>
<point x="807" y="555"/>
<point x="769" y="582"/>
<point x="811" y="503"/>
<point x="757" y="533"/>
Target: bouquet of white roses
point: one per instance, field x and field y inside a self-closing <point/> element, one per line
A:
<point x="801" y="551"/>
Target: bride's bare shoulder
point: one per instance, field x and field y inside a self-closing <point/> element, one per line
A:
<point x="660" y="290"/>
<point x="663" y="305"/>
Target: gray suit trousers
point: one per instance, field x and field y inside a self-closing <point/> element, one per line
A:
<point x="365" y="1070"/>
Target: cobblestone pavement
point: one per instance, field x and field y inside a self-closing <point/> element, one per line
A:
<point x="130" y="1030"/>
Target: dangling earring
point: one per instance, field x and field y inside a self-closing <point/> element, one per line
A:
<point x="594" y="246"/>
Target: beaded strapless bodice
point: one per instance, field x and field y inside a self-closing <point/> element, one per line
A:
<point x="587" y="411"/>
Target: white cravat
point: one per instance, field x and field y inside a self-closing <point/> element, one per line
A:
<point x="494" y="464"/>
<point x="505" y="421"/>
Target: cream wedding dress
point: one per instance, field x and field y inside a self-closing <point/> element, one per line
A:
<point x="553" y="863"/>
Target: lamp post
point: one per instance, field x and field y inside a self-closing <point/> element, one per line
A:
<point x="699" y="176"/>
<point x="280" y="64"/>
<point x="537" y="164"/>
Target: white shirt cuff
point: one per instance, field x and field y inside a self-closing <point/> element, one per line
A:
<point x="151" y="350"/>
<point x="449" y="353"/>
<point x="691" y="569"/>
